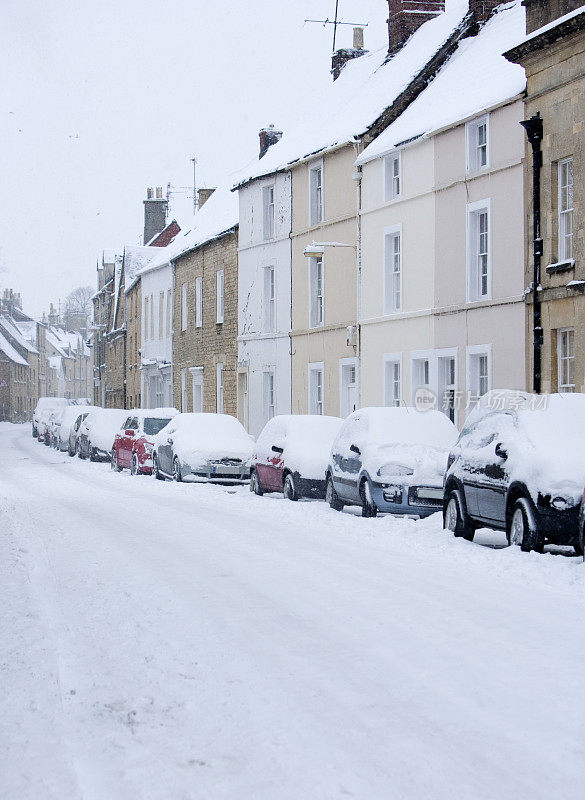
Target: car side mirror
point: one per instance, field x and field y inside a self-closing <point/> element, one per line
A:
<point x="276" y="449"/>
<point x="128" y="433"/>
<point x="355" y="449"/>
<point x="501" y="451"/>
<point x="169" y="440"/>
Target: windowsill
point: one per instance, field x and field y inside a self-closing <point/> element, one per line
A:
<point x="472" y="173"/>
<point x="561" y="266"/>
<point x="316" y="327"/>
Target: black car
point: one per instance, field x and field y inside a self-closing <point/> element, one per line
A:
<point x="518" y="466"/>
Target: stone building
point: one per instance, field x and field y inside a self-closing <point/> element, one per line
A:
<point x="29" y="352"/>
<point x="133" y="292"/>
<point x="14" y="383"/>
<point x="205" y="329"/>
<point x="553" y="54"/>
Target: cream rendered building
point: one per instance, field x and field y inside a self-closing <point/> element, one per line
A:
<point x="442" y="288"/>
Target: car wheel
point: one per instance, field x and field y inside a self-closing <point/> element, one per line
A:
<point x="520" y="531"/>
<point x="369" y="508"/>
<point x="134" y="468"/>
<point x="579" y="547"/>
<point x="455" y="520"/>
<point x="79" y="453"/>
<point x="255" y="484"/>
<point x="114" y="462"/>
<point x="331" y="496"/>
<point x="177" y="470"/>
<point x="156" y="474"/>
<point x="92" y="454"/>
<point x="290" y="490"/>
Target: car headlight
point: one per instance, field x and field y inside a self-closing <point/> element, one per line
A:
<point x="395" y="469"/>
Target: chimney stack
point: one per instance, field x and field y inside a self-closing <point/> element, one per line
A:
<point x="482" y="9"/>
<point x="155" y="213"/>
<point x="203" y="196"/>
<point x="345" y="54"/>
<point x="268" y="137"/>
<point x="406" y="16"/>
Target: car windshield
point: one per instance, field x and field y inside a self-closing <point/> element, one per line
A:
<point x="153" y="425"/>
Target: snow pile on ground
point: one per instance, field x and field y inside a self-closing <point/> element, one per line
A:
<point x="167" y="640"/>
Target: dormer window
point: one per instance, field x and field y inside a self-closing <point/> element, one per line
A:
<point x="478" y="144"/>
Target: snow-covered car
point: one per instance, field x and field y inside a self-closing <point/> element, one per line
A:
<point x="75" y="429"/>
<point x="133" y="444"/>
<point x="390" y="460"/>
<point x="97" y="432"/>
<point x="53" y="424"/>
<point x="518" y="467"/>
<point x="43" y="425"/>
<point x="291" y="455"/>
<point x="64" y="424"/>
<point x="46" y="404"/>
<point x="209" y="447"/>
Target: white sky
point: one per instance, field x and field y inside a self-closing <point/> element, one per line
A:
<point x="101" y="100"/>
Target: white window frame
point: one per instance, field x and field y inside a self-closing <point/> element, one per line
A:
<point x="473" y="145"/>
<point x="268" y="394"/>
<point x="198" y="302"/>
<point x="316" y="405"/>
<point x="196" y="380"/>
<point x="219" y="288"/>
<point x="344" y="364"/>
<point x="145" y="318"/>
<point x="392" y="176"/>
<point x="562" y="359"/>
<point x="417" y="356"/>
<point x="316" y="199"/>
<point x="169" y="311"/>
<point x="474" y="278"/>
<point x="473" y="352"/>
<point x="151" y="307"/>
<point x="444" y="386"/>
<point x="565" y="220"/>
<point x="184" y="306"/>
<point x="219" y="387"/>
<point x="269" y="298"/>
<point x="184" y="398"/>
<point x="389" y="362"/>
<point x="268" y="212"/>
<point x="391" y="276"/>
<point x="161" y="315"/>
<point x="314" y="321"/>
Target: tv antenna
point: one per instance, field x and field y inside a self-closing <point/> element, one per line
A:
<point x="335" y="22"/>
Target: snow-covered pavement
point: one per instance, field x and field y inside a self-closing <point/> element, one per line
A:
<point x="177" y="641"/>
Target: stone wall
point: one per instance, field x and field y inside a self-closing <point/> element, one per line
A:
<point x="541" y="12"/>
<point x="213" y="342"/>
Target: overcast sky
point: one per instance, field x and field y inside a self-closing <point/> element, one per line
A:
<point x="102" y="99"/>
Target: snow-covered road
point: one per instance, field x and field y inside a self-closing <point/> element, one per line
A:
<point x="187" y="641"/>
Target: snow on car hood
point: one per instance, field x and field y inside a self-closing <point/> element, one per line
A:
<point x="306" y="443"/>
<point x="427" y="464"/>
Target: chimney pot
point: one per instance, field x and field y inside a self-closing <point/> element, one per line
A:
<point x="149" y="193"/>
<point x="203" y="196"/>
<point x="268" y="137"/>
<point x="358" y="38"/>
<point x="159" y="192"/>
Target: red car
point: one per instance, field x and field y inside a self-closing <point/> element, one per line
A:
<point x="133" y="443"/>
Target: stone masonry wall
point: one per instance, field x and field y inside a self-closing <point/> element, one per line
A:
<point x="213" y="342"/>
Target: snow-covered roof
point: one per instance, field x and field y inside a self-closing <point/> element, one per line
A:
<point x="59" y="341"/>
<point x="218" y="216"/>
<point x="8" y="350"/>
<point x="28" y="330"/>
<point x="9" y="327"/>
<point x="546" y="28"/>
<point x="476" y="78"/>
<point x="366" y="87"/>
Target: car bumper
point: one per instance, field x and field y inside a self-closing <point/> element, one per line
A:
<point x="416" y="501"/>
<point x="309" y="487"/>
<point x="559" y="527"/>
<point x="217" y="473"/>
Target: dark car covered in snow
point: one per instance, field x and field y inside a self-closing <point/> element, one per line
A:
<point x="518" y="467"/>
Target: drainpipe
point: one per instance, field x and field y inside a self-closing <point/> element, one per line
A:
<point x="358" y="180"/>
<point x="534" y="131"/>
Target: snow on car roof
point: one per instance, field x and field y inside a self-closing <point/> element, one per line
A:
<point x="475" y="79"/>
<point x="408" y="425"/>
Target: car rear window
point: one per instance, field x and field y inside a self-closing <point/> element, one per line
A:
<point x="153" y="425"/>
